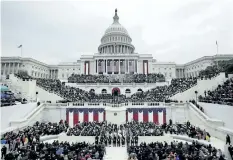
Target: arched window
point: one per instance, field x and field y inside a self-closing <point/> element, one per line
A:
<point x="104" y="91"/>
<point x="127" y="90"/>
<point x="140" y="90"/>
<point x="92" y="91"/>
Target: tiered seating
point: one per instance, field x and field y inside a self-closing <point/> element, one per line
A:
<point x="162" y="93"/>
<point x="223" y="94"/>
<point x="128" y="78"/>
<point x="158" y="94"/>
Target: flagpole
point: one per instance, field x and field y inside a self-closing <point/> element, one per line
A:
<point x="217" y="46"/>
<point x="21" y="52"/>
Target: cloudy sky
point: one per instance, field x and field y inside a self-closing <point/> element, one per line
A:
<point x="172" y="31"/>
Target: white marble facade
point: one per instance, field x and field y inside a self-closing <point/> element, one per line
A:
<point x="115" y="56"/>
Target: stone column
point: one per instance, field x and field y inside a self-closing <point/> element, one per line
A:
<point x="119" y="70"/>
<point x="8" y="68"/>
<point x="97" y="66"/>
<point x="128" y="65"/>
<point x="4" y="70"/>
<point x="135" y="66"/>
<point x="18" y="68"/>
<point x="106" y="65"/>
<point x="13" y="68"/>
<point x="112" y="66"/>
<point x="125" y="65"/>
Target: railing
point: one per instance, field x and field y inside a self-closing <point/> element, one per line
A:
<point x="23" y="122"/>
<point x="205" y="117"/>
<point x="120" y="83"/>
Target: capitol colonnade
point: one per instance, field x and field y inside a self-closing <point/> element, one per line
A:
<point x="10" y="68"/>
<point x="116" y="66"/>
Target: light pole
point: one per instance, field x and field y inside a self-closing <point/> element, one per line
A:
<point x="196" y="96"/>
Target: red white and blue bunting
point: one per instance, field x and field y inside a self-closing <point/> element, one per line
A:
<point x="79" y="115"/>
<point x="156" y="115"/>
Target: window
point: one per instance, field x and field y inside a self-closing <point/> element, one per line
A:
<point x="104" y="91"/>
<point x="140" y="90"/>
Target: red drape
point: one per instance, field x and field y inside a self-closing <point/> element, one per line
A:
<point x="96" y="117"/>
<point x="164" y="117"/>
<point x="145" y="115"/>
<point x="155" y="117"/>
<point x="75" y="118"/>
<point x="116" y="89"/>
<point x="135" y="116"/>
<point x="85" y="117"/>
<point x="67" y="117"/>
<point x="104" y="116"/>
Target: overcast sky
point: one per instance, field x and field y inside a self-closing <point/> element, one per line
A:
<point x="171" y="30"/>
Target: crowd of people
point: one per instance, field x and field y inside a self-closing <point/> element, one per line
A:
<point x="174" y="151"/>
<point x="223" y="94"/>
<point x="127" y="78"/>
<point x="230" y="149"/>
<point x="214" y="70"/>
<point x="136" y="128"/>
<point x="26" y="144"/>
<point x="157" y="94"/>
<point x="55" y="151"/>
<point x="162" y="93"/>
<point x="33" y="133"/>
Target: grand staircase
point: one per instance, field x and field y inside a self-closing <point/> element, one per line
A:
<point x="116" y="153"/>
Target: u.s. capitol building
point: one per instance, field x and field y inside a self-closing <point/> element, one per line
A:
<point x="115" y="56"/>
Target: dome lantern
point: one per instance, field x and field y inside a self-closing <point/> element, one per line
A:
<point x="115" y="18"/>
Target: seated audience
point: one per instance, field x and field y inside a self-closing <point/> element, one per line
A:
<point x="223" y="94"/>
<point x="57" y="151"/>
<point x="33" y="133"/>
<point x="127" y="78"/>
<point x="173" y="151"/>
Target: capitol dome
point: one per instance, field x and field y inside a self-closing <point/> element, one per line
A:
<point x="116" y="39"/>
<point x="116" y="27"/>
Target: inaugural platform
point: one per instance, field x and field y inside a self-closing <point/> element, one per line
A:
<point x="117" y="104"/>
